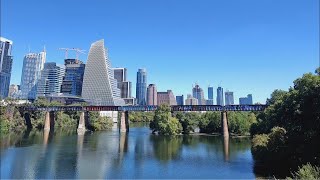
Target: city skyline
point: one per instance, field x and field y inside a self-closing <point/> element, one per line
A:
<point x="246" y="54"/>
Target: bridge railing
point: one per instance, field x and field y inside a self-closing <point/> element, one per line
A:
<point x="148" y="108"/>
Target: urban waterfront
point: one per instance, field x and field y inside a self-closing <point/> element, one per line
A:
<point x="137" y="154"/>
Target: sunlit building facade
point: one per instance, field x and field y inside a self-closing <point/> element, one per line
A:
<point x="51" y="79"/>
<point x="5" y="66"/>
<point x="99" y="86"/>
<point x="152" y="95"/>
<point x="33" y="64"/>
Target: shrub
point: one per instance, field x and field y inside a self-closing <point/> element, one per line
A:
<point x="307" y="172"/>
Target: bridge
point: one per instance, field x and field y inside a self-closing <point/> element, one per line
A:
<point x="124" y="120"/>
<point x="147" y="108"/>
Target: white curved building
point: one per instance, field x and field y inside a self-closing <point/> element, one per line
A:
<point x="99" y="86"/>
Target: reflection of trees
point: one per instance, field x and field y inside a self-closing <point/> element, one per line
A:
<point x="166" y="147"/>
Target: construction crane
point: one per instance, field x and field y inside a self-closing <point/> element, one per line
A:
<point x="78" y="50"/>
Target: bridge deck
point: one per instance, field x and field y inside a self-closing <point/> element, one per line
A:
<point x="148" y="108"/>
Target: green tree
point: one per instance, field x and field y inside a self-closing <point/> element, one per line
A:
<point x="210" y="122"/>
<point x="164" y="123"/>
<point x="298" y="112"/>
<point x="189" y="121"/>
<point x="307" y="171"/>
<point x="98" y="123"/>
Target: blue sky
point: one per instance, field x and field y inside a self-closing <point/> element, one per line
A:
<point x="246" y="46"/>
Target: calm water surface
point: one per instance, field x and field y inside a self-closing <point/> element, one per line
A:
<point x="137" y="154"/>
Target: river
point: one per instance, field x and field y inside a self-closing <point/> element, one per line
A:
<point x="112" y="155"/>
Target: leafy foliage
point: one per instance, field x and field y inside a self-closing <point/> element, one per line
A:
<point x="99" y="123"/>
<point x="307" y="172"/>
<point x="164" y="123"/>
<point x="298" y="112"/>
<point x="189" y="121"/>
<point x="210" y="122"/>
<point x="141" y="116"/>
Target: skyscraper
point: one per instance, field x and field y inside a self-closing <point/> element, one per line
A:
<point x="33" y="64"/>
<point x="180" y="100"/>
<point x="197" y="93"/>
<point x="73" y="79"/>
<point x="210" y="92"/>
<point x="229" y="98"/>
<point x="250" y="101"/>
<point x="220" y="96"/>
<point x="152" y="94"/>
<point x="5" y="66"/>
<point x="166" y="98"/>
<point x="246" y="100"/>
<point x="51" y="79"/>
<point x="120" y="74"/>
<point x="210" y="100"/>
<point x="141" y="86"/>
<point x="99" y="86"/>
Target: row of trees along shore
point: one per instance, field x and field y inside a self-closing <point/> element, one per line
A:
<point x="286" y="136"/>
<point x="12" y="120"/>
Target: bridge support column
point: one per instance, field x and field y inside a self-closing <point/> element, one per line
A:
<point x="47" y="121"/>
<point x="82" y="124"/>
<point x="124" y="121"/>
<point x="224" y="124"/>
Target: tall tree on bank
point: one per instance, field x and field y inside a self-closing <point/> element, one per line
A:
<point x="298" y="112"/>
<point x="164" y="123"/>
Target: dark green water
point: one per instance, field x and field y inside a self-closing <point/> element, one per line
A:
<point x="137" y="154"/>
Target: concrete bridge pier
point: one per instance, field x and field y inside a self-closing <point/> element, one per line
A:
<point x="124" y="121"/>
<point x="82" y="124"/>
<point x="48" y="121"/>
<point x="224" y="124"/>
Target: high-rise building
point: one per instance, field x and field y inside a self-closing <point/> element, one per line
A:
<point x="210" y="100"/>
<point x="166" y="98"/>
<point x="73" y="79"/>
<point x="33" y="64"/>
<point x="120" y="74"/>
<point x="191" y="100"/>
<point x="51" y="79"/>
<point x="246" y="100"/>
<point x="220" y="96"/>
<point x="229" y="98"/>
<point x="5" y="66"/>
<point x="243" y="101"/>
<point x="99" y="86"/>
<point x="141" y="87"/>
<point x="210" y="92"/>
<point x="180" y="100"/>
<point x="152" y="95"/>
<point x="197" y="93"/>
<point x="250" y="101"/>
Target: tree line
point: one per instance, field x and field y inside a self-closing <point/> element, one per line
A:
<point x="12" y="120"/>
<point x="287" y="133"/>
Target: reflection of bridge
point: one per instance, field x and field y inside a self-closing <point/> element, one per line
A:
<point x="124" y="122"/>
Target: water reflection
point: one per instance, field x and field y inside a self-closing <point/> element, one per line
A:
<point x="137" y="154"/>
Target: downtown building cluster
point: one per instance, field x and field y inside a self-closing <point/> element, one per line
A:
<point x="95" y="82"/>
